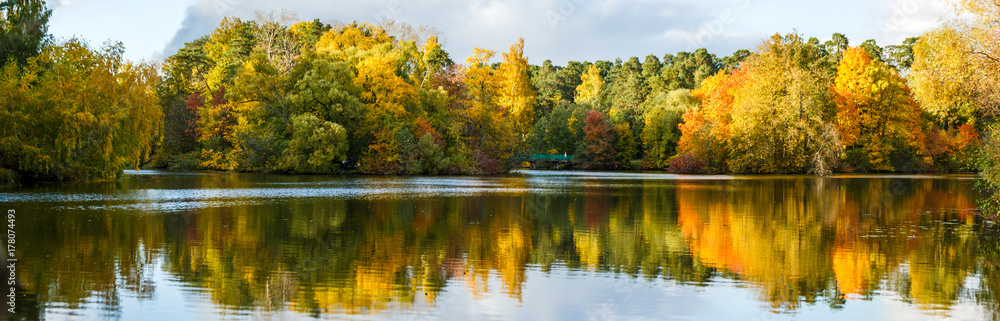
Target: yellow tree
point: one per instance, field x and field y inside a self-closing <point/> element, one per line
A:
<point x="874" y="109"/>
<point x="227" y="48"/>
<point x="956" y="68"/>
<point x="779" y="112"/>
<point x="517" y="96"/>
<point x="590" y="89"/>
<point x="956" y="77"/>
<point x="355" y="35"/>
<point x="944" y="78"/>
<point x="386" y="93"/>
<point x="481" y="81"/>
<point x="380" y="63"/>
<point x="494" y="136"/>
<point x="73" y="113"/>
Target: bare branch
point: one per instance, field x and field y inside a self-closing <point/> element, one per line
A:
<point x="985" y="55"/>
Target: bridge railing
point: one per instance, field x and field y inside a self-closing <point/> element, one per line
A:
<point x="549" y="157"/>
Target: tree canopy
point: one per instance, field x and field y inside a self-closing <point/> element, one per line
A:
<point x="275" y="94"/>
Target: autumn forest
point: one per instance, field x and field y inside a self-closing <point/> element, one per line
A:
<point x="286" y="167"/>
<point x="276" y="94"/>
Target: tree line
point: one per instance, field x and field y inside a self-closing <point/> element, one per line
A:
<point x="386" y="98"/>
<point x="268" y="95"/>
<point x="275" y="94"/>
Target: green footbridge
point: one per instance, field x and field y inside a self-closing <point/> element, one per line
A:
<point x="557" y="159"/>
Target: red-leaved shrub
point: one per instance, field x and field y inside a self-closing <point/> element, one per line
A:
<point x="687" y="163"/>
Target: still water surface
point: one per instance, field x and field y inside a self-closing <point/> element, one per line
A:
<point x="531" y="245"/>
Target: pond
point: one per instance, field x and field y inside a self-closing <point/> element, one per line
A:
<point x="531" y="245"/>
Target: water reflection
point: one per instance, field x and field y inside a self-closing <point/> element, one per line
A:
<point x="325" y="247"/>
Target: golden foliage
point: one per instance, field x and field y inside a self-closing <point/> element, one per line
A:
<point x="516" y="93"/>
<point x="875" y="108"/>
<point x="779" y="112"/>
<point x="956" y="69"/>
<point x="362" y="36"/>
<point x="77" y="113"/>
<point x="386" y="93"/>
<point x="591" y="88"/>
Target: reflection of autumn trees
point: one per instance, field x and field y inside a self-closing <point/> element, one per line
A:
<point x="773" y="242"/>
<point x="792" y="240"/>
<point x="989" y="270"/>
<point x="802" y="239"/>
<point x="87" y="258"/>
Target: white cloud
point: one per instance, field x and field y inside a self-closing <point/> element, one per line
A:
<point x="909" y="18"/>
<point x="563" y="30"/>
<point x="66" y="3"/>
<point x="143" y="26"/>
<point x="560" y="30"/>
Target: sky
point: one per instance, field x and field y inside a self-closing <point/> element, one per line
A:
<point x="558" y="30"/>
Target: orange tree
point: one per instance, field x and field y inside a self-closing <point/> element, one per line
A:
<point x="876" y="114"/>
<point x="706" y="129"/>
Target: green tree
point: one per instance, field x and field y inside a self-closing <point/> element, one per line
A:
<point x="559" y="132"/>
<point x="569" y="79"/>
<point x="661" y="133"/>
<point x="901" y="56"/>
<point x="626" y="92"/>
<point x="182" y="76"/>
<point x="730" y="63"/>
<point x="626" y="145"/>
<point x="328" y="91"/>
<point x="316" y="146"/>
<point x="687" y="70"/>
<point x="836" y="46"/>
<point x="228" y="47"/>
<point x="872" y="49"/>
<point x="545" y="79"/>
<point x="431" y="154"/>
<point x="654" y="81"/>
<point x="23" y="29"/>
<point x="260" y="96"/>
